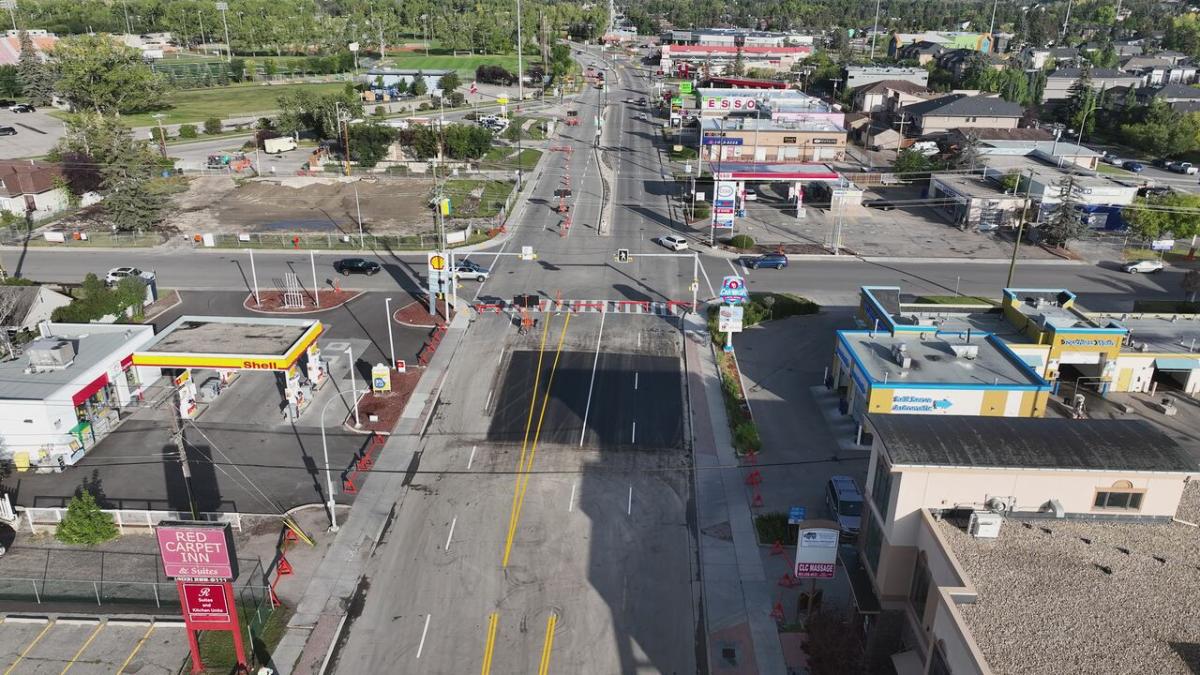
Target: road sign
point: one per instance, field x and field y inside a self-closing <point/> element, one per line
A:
<point x="436" y="260"/>
<point x="622" y="255"/>
<point x="796" y="515"/>
<point x="729" y="319"/>
<point x="381" y="378"/>
<point x="816" y="553"/>
<point x="733" y="290"/>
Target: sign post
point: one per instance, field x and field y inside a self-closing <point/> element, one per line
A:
<point x="437" y="267"/>
<point x="816" y="552"/>
<point x="200" y="557"/>
<point x="734" y="294"/>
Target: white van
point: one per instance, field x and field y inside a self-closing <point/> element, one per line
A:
<point x="844" y="501"/>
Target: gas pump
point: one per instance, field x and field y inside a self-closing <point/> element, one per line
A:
<point x="315" y="366"/>
<point x="185" y="388"/>
<point x="297" y="391"/>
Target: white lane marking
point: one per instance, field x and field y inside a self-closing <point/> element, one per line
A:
<point x="712" y="292"/>
<point x="424" y="632"/>
<point x="629" y="504"/>
<point x="744" y="272"/>
<point x="587" y="408"/>
<point x="639" y="340"/>
<point x="471" y="460"/>
<point x="634" y="439"/>
<point x="449" y="536"/>
<point x="571" y="502"/>
<point x="635" y="383"/>
<point x="489" y="400"/>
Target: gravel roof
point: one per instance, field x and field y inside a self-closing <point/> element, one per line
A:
<point x="1046" y="605"/>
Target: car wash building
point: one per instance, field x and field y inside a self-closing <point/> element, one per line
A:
<point x="67" y="390"/>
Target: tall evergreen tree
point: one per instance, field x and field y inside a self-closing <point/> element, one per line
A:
<point x="132" y="199"/>
<point x="37" y="80"/>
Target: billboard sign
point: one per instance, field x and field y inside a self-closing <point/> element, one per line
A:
<point x="197" y="550"/>
<point x="205" y="603"/>
<point x="816" y="553"/>
<point x="1162" y="244"/>
<point x="729" y="319"/>
<point x="726" y="195"/>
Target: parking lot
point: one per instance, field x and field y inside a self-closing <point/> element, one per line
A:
<point x="90" y="646"/>
<point x="37" y="132"/>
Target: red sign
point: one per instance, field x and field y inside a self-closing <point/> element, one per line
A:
<point x="197" y="551"/>
<point x="205" y="603"/>
<point x="815" y="570"/>
<point x="401" y="367"/>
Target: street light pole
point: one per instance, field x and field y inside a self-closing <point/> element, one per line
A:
<point x="874" y="31"/>
<point x="223" y="7"/>
<point x="312" y="261"/>
<point x="254" y="277"/>
<point x="362" y="240"/>
<point x="353" y="386"/>
<point x="387" y="307"/>
<point x="333" y="525"/>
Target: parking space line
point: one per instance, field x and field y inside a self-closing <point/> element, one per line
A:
<point x="471" y="459"/>
<point x="571" y="501"/>
<point x="136" y="649"/>
<point x="424" y="632"/>
<point x="79" y="653"/>
<point x="451" y="535"/>
<point x="745" y="270"/>
<point x="29" y="647"/>
<point x="548" y="645"/>
<point x="490" y="644"/>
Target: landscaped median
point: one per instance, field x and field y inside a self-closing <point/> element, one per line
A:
<point x="762" y="307"/>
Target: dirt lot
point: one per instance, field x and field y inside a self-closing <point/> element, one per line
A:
<point x="219" y="205"/>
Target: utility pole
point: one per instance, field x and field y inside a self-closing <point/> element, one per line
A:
<point x="223" y="7"/>
<point x="177" y="436"/>
<point x="162" y="136"/>
<point x="875" y="30"/>
<point x="992" y="25"/>
<point x="1012" y="265"/>
<point x="520" y="65"/>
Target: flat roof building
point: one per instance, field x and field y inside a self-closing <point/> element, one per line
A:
<point x="814" y="138"/>
<point x="1004" y="545"/>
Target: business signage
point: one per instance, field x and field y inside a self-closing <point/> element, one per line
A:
<point x="823" y="141"/>
<point x="729" y="103"/>
<point x="723" y="221"/>
<point x="816" y="553"/>
<point x="937" y="402"/>
<point x="796" y="515"/>
<point x="726" y="195"/>
<point x="721" y="140"/>
<point x="677" y="101"/>
<point x="733" y="290"/>
<point x="1162" y="244"/>
<point x="205" y="602"/>
<point x="729" y="318"/>
<point x="685" y="87"/>
<point x="197" y="550"/>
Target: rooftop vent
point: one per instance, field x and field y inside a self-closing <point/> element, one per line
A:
<point x="50" y="353"/>
<point x="900" y="354"/>
<point x="984" y="525"/>
<point x="968" y="352"/>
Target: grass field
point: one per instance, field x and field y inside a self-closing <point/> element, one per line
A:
<point x="197" y="105"/>
<point x="465" y="64"/>
<point x="463" y="205"/>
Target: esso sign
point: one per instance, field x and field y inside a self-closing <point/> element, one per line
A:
<point x="730" y="103"/>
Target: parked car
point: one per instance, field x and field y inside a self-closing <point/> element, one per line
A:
<point x="776" y="260"/>
<point x="642" y="117"/>
<point x="844" y="501"/>
<point x="1154" y="191"/>
<point x="348" y="266"/>
<point x="1133" y="166"/>
<point x="750" y="196"/>
<point x="1144" y="267"/>
<point x="116" y="274"/>
<point x="22" y="108"/>
<point x="470" y="270"/>
<point x="672" y="242"/>
<point x="1115" y="160"/>
<point x="4" y="102"/>
<point x="1160" y="163"/>
<point x="1183" y="167"/>
<point x="881" y="204"/>
<point x="8" y="131"/>
<point x="642" y="101"/>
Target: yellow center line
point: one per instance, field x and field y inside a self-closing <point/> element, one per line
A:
<point x="85" y="646"/>
<point x="523" y="475"/>
<point x="548" y="645"/>
<point x="512" y="512"/>
<point x="29" y="648"/>
<point x="136" y="649"/>
<point x="493" y="621"/>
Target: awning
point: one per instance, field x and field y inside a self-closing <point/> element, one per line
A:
<point x="126" y="362"/>
<point x="87" y="392"/>
<point x="1177" y="364"/>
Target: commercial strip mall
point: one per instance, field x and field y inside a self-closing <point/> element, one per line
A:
<point x="913" y="358"/>
<point x="74" y="385"/>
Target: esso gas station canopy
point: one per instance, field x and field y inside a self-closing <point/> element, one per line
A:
<point x="232" y="343"/>
<point x="762" y="171"/>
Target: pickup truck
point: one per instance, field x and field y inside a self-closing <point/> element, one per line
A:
<point x="1183" y="167"/>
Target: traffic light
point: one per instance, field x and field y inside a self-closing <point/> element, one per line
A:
<point x="622" y="255"/>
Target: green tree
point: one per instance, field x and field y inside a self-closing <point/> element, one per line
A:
<point x="1064" y="223"/>
<point x="448" y="83"/>
<point x="302" y="110"/>
<point x="912" y="165"/>
<point x="37" y="79"/>
<point x="270" y="69"/>
<point x="1163" y="131"/>
<point x="1183" y="34"/>
<point x="237" y="69"/>
<point x="1176" y="214"/>
<point x="739" y="64"/>
<point x="188" y="131"/>
<point x="133" y="197"/>
<point x="10" y="82"/>
<point x="85" y="524"/>
<point x="369" y="142"/>
<point x="213" y="126"/>
<point x="467" y="141"/>
<point x="97" y="73"/>
<point x="417" y="87"/>
<point x="1079" y="109"/>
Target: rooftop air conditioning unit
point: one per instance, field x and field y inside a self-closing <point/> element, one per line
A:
<point x="50" y="353"/>
<point x="984" y="525"/>
<point x="969" y="352"/>
<point x="900" y="354"/>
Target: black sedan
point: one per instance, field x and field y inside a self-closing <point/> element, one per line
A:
<point x="8" y="131"/>
<point x="22" y="108"/>
<point x="348" y="266"/>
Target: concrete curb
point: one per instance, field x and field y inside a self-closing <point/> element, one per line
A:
<point x="249" y="297"/>
<point x="22" y="618"/>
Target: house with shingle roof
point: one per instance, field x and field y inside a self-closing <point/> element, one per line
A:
<point x="33" y="188"/>
<point x="962" y="111"/>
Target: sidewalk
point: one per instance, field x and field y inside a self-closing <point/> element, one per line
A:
<point x="741" y="636"/>
<point x="332" y="589"/>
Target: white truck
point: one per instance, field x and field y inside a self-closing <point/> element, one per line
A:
<point x="275" y="146"/>
<point x="1182" y="167"/>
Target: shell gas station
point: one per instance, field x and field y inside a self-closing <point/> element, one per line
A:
<point x="1004" y="360"/>
<point x="231" y="345"/>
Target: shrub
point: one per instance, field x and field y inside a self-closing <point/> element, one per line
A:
<point x="212" y="126"/>
<point x="773" y="527"/>
<point x="187" y="131"/>
<point x="742" y="242"/>
<point x="379" y="111"/>
<point x="159" y="134"/>
<point x="85" y="524"/>
<point x="745" y="437"/>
